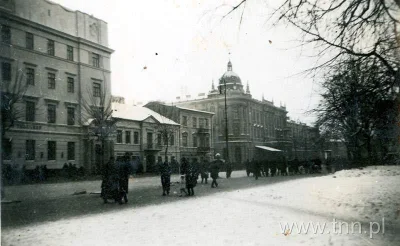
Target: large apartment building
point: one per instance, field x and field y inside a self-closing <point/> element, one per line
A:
<point x="251" y="123"/>
<point x="61" y="57"/>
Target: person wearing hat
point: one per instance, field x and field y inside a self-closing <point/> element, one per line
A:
<point x="214" y="170"/>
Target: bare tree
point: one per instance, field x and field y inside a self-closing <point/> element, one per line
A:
<point x="12" y="93"/>
<point x="97" y="116"/>
<point x="350" y="102"/>
<point x="339" y="28"/>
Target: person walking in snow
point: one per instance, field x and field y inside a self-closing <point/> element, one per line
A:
<point x="204" y="170"/>
<point x="214" y="170"/>
<point x="124" y="172"/>
<point x="191" y="178"/>
<point x="165" y="172"/>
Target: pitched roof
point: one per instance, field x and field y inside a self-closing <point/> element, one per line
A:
<point x="138" y="113"/>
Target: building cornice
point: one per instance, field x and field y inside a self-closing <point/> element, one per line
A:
<point x="20" y="20"/>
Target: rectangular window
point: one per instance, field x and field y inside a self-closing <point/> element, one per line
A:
<point x="119" y="136"/>
<point x="172" y="140"/>
<point x="6" y="71"/>
<point x="51" y="80"/>
<point x="6" y="34"/>
<point x="30" y="76"/>
<point x="159" y="139"/>
<point x="70" y="53"/>
<point x="184" y="120"/>
<point x="51" y="150"/>
<point x="95" y="60"/>
<point x="29" y="41"/>
<point x="71" y="116"/>
<point x="206" y="122"/>
<point x="136" y="137"/>
<point x="71" y="151"/>
<point x="70" y="85"/>
<point x="30" y="111"/>
<point x="201" y="122"/>
<point x="51" y="113"/>
<point x="128" y="137"/>
<point x="194" y="141"/>
<point x="96" y="90"/>
<point x="30" y="150"/>
<point x="184" y="139"/>
<point x="194" y="119"/>
<point x="50" y="47"/>
<point x="7" y="149"/>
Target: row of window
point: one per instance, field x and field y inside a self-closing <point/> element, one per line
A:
<point x="30" y="150"/>
<point x="202" y="141"/>
<point x="30" y="40"/>
<point x="51" y="79"/>
<point x="128" y="135"/>
<point x="203" y="122"/>
<point x="120" y="137"/>
<point x="30" y="113"/>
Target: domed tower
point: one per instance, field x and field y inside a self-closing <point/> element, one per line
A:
<point x="232" y="80"/>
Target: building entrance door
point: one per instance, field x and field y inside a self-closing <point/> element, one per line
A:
<point x="150" y="163"/>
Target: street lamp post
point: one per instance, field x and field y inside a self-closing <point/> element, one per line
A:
<point x="228" y="171"/>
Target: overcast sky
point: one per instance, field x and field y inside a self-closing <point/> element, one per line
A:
<point x="185" y="45"/>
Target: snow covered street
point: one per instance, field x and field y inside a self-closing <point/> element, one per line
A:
<point x="242" y="211"/>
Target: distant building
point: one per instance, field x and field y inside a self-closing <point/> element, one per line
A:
<point x="195" y="136"/>
<point x="251" y="122"/>
<point x="118" y="99"/>
<point x="138" y="135"/>
<point x="63" y="57"/>
<point x="305" y="141"/>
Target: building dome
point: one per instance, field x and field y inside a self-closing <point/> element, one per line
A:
<point x="230" y="77"/>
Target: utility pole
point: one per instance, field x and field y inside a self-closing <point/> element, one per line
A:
<point x="228" y="171"/>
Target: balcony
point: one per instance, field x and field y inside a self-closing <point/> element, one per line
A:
<point x="152" y="147"/>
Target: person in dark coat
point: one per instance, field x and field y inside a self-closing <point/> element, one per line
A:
<point x="165" y="172"/>
<point x="110" y="183"/>
<point x="124" y="172"/>
<point x="204" y="170"/>
<point x="248" y="167"/>
<point x="256" y="168"/>
<point x="214" y="170"/>
<point x="191" y="178"/>
<point x="228" y="169"/>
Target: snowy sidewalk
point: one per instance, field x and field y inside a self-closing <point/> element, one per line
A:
<point x="241" y="212"/>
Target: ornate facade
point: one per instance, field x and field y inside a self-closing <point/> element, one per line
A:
<point x="251" y="122"/>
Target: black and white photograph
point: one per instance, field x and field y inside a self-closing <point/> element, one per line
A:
<point x="200" y="122"/>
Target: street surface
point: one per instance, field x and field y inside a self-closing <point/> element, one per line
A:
<point x="241" y="211"/>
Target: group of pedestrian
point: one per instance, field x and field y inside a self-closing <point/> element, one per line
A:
<point x="115" y="180"/>
<point x="116" y="173"/>
<point x="190" y="172"/>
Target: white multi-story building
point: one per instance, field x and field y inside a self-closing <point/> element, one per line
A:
<point x="63" y="58"/>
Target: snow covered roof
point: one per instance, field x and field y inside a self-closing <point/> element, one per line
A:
<point x="195" y="110"/>
<point x="138" y="113"/>
<point x="268" y="148"/>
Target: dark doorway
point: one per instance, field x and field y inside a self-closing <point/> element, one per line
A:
<point x="150" y="163"/>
